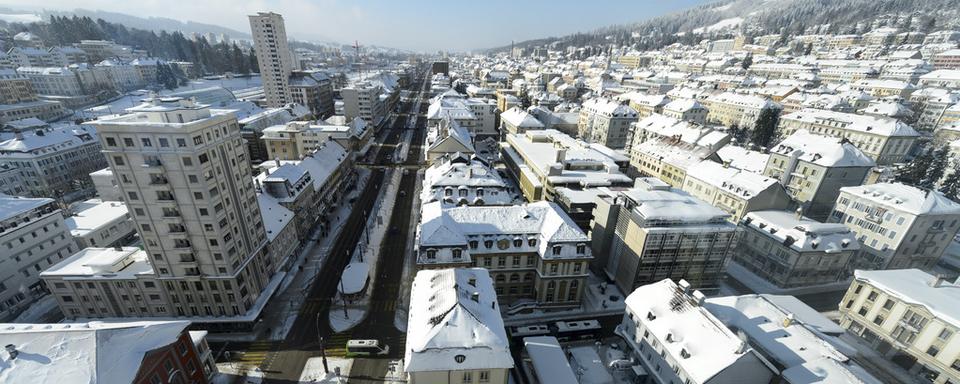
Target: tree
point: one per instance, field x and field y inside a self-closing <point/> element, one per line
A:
<point x="765" y="130"/>
<point x="739" y="135"/>
<point x="166" y="77"/>
<point x="951" y="184"/>
<point x="934" y="171"/>
<point x="747" y="61"/>
<point x="254" y="65"/>
<point x="916" y="169"/>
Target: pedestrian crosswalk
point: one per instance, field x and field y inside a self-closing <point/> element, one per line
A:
<point x="336" y="344"/>
<point x="256" y="353"/>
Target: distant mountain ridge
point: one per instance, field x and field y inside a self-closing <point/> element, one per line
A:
<point x="757" y="17"/>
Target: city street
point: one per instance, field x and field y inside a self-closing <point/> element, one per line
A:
<point x="283" y="362"/>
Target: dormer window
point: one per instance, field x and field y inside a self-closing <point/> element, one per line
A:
<point x="517" y="243"/>
<point x="457" y="253"/>
<point x="532" y="242"/>
<point x="473" y="244"/>
<point x="448" y="192"/>
<point x="556" y="249"/>
<point x="431" y="254"/>
<point x="581" y="249"/>
<point x="488" y="244"/>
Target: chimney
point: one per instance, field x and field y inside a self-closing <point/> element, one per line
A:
<point x="937" y="281"/>
<point x="726" y="163"/>
<point x="789" y="320"/>
<point x="12" y="350"/>
<point x="19" y="135"/>
<point x="561" y="155"/>
<point x="799" y="213"/>
<point x="685" y="285"/>
<point x="742" y="347"/>
<point x="699" y="297"/>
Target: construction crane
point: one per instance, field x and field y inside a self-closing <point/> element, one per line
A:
<point x="356" y="46"/>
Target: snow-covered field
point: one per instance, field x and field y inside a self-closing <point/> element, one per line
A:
<point x="732" y="22"/>
<point x="20" y="18"/>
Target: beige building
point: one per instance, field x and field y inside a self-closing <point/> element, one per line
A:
<point x="735" y="191"/>
<point x="667" y="148"/>
<point x="886" y="140"/>
<point x="455" y="334"/>
<point x="15" y="88"/>
<point x="273" y="56"/>
<point x="653" y="232"/>
<point x="686" y="110"/>
<point x="900" y="226"/>
<point x="731" y="109"/>
<point x="910" y="318"/>
<point x="366" y="101"/>
<point x="532" y="251"/>
<point x="814" y="167"/>
<point x="545" y="160"/>
<point x="314" y="90"/>
<point x="645" y="104"/>
<point x="517" y="121"/>
<point x="185" y="177"/>
<point x="296" y="139"/>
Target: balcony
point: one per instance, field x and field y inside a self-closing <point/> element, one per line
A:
<point x="159" y="181"/>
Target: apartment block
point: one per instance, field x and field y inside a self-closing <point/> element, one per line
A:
<point x="273" y="56"/>
<point x="886" y="140"/>
<point x="900" y="226"/>
<point x="33" y="236"/>
<point x="606" y="122"/>
<point x="910" y="318"/>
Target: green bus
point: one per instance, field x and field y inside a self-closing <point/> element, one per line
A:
<point x="356" y="348"/>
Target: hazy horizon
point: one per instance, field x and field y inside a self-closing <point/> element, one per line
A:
<point x="416" y="25"/>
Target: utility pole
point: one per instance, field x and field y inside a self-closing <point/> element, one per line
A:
<point x="323" y="347"/>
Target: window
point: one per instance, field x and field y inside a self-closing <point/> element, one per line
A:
<point x="878" y="320"/>
<point x="888" y="304"/>
<point x="127" y="142"/>
<point x="164" y="142"/>
<point x="581" y="249"/>
<point x="945" y="334"/>
<point x="872" y="296"/>
<point x="484" y="376"/>
<point x="146" y="142"/>
<point x="457" y="253"/>
<point x="488" y="244"/>
<point x="431" y="254"/>
<point x="933" y="350"/>
<point x="517" y="243"/>
<point x="181" y="143"/>
<point x="111" y="142"/>
<point x="187" y="162"/>
<point x="556" y="249"/>
<point x="118" y="160"/>
<point x="468" y="377"/>
<point x="473" y="244"/>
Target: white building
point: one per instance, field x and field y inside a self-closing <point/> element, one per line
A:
<point x="463" y="180"/>
<point x="366" y="101"/>
<point x="886" y="140"/>
<point x="517" y="121"/>
<point x="802" y="345"/>
<point x="606" y="122"/>
<point x="677" y="340"/>
<point x="477" y="116"/>
<point x="730" y="109"/>
<point x="33" y="237"/>
<point x="454" y="330"/>
<point x="54" y="161"/>
<point x="273" y="56"/>
<point x="900" y="226"/>
<point x="735" y="191"/>
<point x="909" y="317"/>
<point x="98" y="223"/>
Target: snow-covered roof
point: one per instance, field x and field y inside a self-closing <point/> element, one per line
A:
<point x="322" y="163"/>
<point x="11" y="206"/>
<point x="914" y="286"/>
<point x="802" y="234"/>
<point x="670" y="313"/>
<point x="544" y="221"/>
<point x="731" y="179"/>
<point x="94" y="214"/>
<point x="806" y="355"/>
<point x="549" y="361"/>
<point x="905" y="198"/>
<point x="517" y="117"/>
<point x="877" y="125"/>
<point x="275" y="216"/>
<point x="454" y="312"/>
<point x="683" y="105"/>
<point x="48" y="140"/>
<point x="747" y="101"/>
<point x="645" y="99"/>
<point x="102" y="263"/>
<point x="743" y="158"/>
<point x="822" y="150"/>
<point x="94" y="352"/>
<point x="609" y="107"/>
<point x="656" y="202"/>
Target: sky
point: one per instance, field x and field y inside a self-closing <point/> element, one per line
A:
<point x="418" y="25"/>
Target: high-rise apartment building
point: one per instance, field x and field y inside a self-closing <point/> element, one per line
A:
<point x="273" y="55"/>
<point x="185" y="178"/>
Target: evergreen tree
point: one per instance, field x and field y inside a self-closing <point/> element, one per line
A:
<point x="951" y="184"/>
<point x="166" y="77"/>
<point x="254" y="66"/>
<point x="765" y="129"/>
<point x="934" y="171"/>
<point x="747" y="61"/>
<point x="916" y="169"/>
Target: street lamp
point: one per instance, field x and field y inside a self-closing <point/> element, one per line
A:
<point x="323" y="347"/>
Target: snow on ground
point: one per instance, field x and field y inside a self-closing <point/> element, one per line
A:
<point x="313" y="370"/>
<point x="375" y="231"/>
<point x="228" y="373"/>
<point x="20" y="18"/>
<point x="722" y="24"/>
<point x="38" y="310"/>
<point x="341" y="322"/>
<point x="587" y="363"/>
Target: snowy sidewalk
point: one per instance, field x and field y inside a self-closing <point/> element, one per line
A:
<point x="368" y="252"/>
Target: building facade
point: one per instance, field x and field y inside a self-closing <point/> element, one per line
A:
<point x="273" y="56"/>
